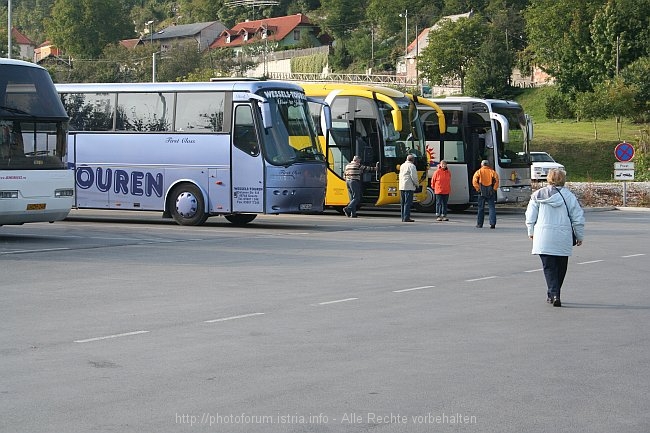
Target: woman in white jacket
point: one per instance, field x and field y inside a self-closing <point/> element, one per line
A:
<point x="552" y="213"/>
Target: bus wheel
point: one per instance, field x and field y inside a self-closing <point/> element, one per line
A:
<point x="240" y="219"/>
<point x="187" y="206"/>
<point x="428" y="204"/>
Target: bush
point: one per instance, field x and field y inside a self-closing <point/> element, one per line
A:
<point x="558" y="106"/>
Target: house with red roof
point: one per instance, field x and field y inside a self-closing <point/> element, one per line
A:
<point x="286" y="32"/>
<point x="24" y="44"/>
<point x="130" y="43"/>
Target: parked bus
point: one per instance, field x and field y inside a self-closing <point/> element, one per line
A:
<point x="479" y="129"/>
<point x="235" y="148"/>
<point x="35" y="184"/>
<point x="380" y="125"/>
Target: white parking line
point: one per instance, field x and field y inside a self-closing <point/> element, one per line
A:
<point x="42" y="250"/>
<point x="126" y="334"/>
<point x="241" y="316"/>
<point x="337" y="301"/>
<point x="632" y="255"/>
<point x="534" y="270"/>
<point x="591" y="261"/>
<point x="481" y="279"/>
<point x="414" y="288"/>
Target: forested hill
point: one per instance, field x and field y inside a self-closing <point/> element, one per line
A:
<point x="592" y="48"/>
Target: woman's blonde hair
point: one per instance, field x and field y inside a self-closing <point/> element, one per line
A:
<point x="556" y="177"/>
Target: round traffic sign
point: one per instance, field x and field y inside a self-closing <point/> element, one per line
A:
<point x="624" y="152"/>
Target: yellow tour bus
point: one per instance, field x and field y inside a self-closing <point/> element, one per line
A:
<point x="379" y="124"/>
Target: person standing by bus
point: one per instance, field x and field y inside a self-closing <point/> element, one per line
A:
<point x="441" y="185"/>
<point x="552" y="213"/>
<point x="408" y="183"/>
<point x="486" y="183"/>
<point x="352" y="175"/>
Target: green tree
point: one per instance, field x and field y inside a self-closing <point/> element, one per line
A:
<point x="558" y="31"/>
<point x="636" y="74"/>
<point x="173" y="65"/>
<point x="339" y="18"/>
<point x="82" y="28"/>
<point x="619" y="98"/>
<point x="452" y="50"/>
<point x="489" y="75"/>
<point x="340" y="57"/>
<point x="620" y="34"/>
<point x="592" y="106"/>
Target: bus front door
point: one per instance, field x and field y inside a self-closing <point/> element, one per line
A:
<point x="247" y="166"/>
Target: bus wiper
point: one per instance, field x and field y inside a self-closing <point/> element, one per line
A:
<point x="15" y="110"/>
<point x="308" y="154"/>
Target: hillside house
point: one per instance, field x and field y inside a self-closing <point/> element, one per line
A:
<point x="284" y="32"/>
<point x="203" y="34"/>
<point x="25" y="45"/>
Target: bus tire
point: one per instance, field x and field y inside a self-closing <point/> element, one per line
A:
<point x="186" y="205"/>
<point x="240" y="219"/>
<point x="428" y="204"/>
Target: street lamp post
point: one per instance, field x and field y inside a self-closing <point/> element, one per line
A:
<point x="405" y="15"/>
<point x="153" y="58"/>
<point x="149" y="25"/>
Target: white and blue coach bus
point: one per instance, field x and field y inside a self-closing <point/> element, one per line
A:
<point x="235" y="148"/>
<point x="35" y="184"/>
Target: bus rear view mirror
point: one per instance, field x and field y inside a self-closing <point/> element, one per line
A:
<point x="267" y="118"/>
<point x="326" y="113"/>
<point x="505" y="131"/>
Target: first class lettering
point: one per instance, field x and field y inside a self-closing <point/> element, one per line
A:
<point x="136" y="183"/>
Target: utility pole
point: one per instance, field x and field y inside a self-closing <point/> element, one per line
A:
<point x="9" y="29"/>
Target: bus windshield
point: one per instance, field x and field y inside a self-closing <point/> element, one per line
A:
<point x="512" y="154"/>
<point x="33" y="123"/>
<point x="30" y="145"/>
<point x="293" y="135"/>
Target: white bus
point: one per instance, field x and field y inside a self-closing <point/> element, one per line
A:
<point x="235" y="148"/>
<point x="478" y="129"/>
<point x="35" y="184"/>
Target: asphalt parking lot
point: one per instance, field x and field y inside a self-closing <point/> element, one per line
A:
<point x="126" y="322"/>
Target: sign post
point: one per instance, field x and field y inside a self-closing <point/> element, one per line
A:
<point x="624" y="169"/>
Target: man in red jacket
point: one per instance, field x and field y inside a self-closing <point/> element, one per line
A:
<point x="441" y="185"/>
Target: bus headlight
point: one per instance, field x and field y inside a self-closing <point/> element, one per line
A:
<point x="66" y="192"/>
<point x="8" y="194"/>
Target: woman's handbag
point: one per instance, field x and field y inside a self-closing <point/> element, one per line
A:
<point x="573" y="233"/>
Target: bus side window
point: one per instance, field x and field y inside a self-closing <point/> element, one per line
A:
<point x="244" y="137"/>
<point x="200" y="112"/>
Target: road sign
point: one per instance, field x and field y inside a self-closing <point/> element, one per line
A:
<point x="624" y="174"/>
<point x="623" y="166"/>
<point x="624" y="152"/>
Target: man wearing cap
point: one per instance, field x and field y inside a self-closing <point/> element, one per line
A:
<point x="486" y="184"/>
